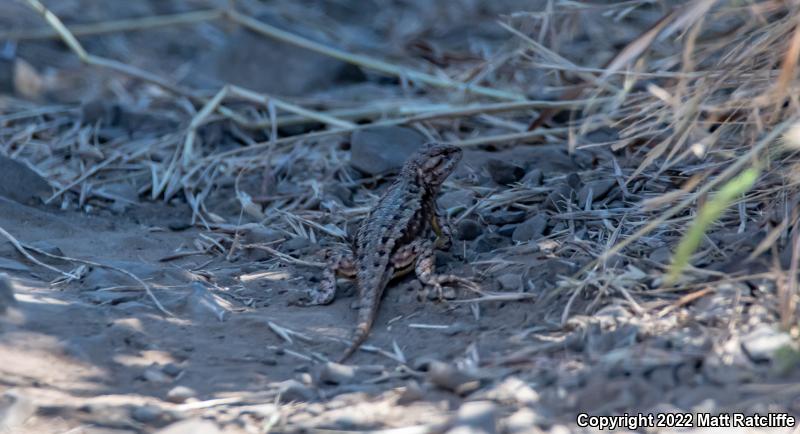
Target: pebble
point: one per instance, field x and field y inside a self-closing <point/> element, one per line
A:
<point x="180" y="394"/>
<point x="476" y="417"/>
<point x="295" y="391"/>
<point x="335" y="373"/>
<point x="152" y="415"/>
<point x="503" y="172"/>
<point x="411" y="393"/>
<point x="22" y="184"/>
<point x="599" y="189"/>
<point x="456" y="199"/>
<point x="154" y="374"/>
<point x="762" y="343"/>
<point x="191" y="426"/>
<point x="557" y="198"/>
<point x="511" y="282"/>
<point x="469" y="229"/>
<point x="7" y="298"/>
<point x="448" y="377"/>
<point x="15" y="409"/>
<point x="521" y="421"/>
<point x="505" y="217"/>
<point x="381" y="149"/>
<point x="533" y="178"/>
<point x="488" y="242"/>
<point x="531" y="229"/>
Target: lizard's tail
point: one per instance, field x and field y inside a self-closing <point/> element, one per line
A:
<point x="359" y="336"/>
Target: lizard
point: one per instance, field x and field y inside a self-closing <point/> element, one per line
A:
<point x="395" y="238"/>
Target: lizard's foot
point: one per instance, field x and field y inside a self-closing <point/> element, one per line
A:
<point x="425" y="273"/>
<point x="341" y="263"/>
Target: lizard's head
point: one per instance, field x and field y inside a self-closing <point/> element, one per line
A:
<point x="434" y="163"/>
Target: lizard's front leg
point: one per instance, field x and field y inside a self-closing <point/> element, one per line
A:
<point x="338" y="264"/>
<point x="441" y="227"/>
<point x="426" y="271"/>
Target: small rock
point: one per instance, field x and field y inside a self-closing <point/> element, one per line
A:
<point x="180" y="394"/>
<point x="258" y="234"/>
<point x="191" y="426"/>
<point x="201" y="303"/>
<point x="22" y="184"/>
<point x="477" y="417"/>
<point x="381" y="149"/>
<point x="504" y="217"/>
<point x="456" y="199"/>
<point x="12" y="265"/>
<point x="172" y="369"/>
<point x="574" y="181"/>
<point x="521" y="421"/>
<point x="47" y="247"/>
<point x="503" y="172"/>
<point x="7" y="298"/>
<point x="662" y="255"/>
<point x="469" y="229"/>
<point x="599" y="189"/>
<point x="295" y="391"/>
<point x="557" y="199"/>
<point x="534" y="178"/>
<point x="448" y="377"/>
<point x="489" y="242"/>
<point x="296" y="245"/>
<point x="531" y="229"/>
<point x="338" y="191"/>
<point x="506" y="230"/>
<point x="335" y="373"/>
<point x="15" y="409"/>
<point x="411" y="393"/>
<point x="152" y="415"/>
<point x="510" y="282"/>
<point x="155" y="375"/>
<point x="762" y="343"/>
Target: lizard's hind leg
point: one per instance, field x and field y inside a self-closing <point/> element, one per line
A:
<point x="426" y="272"/>
<point x="340" y="263"/>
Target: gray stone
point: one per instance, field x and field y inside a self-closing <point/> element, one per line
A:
<point x="191" y="426"/>
<point x="558" y="197"/>
<point x="510" y="282"/>
<point x="22" y="184"/>
<point x="456" y="199"/>
<point x="180" y="394"/>
<point x="503" y="172"/>
<point x="7" y="298"/>
<point x="469" y="229"/>
<point x="531" y="229"/>
<point x="476" y="417"/>
<point x="534" y="178"/>
<point x="504" y="217"/>
<point x="295" y="391"/>
<point x="599" y="189"/>
<point x="450" y="378"/>
<point x="762" y="343"/>
<point x="15" y="409"/>
<point x="10" y="264"/>
<point x="335" y="373"/>
<point x="382" y="149"/>
<point x="152" y="415"/>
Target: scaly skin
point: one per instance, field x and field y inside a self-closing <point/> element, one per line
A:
<point x="395" y="238"/>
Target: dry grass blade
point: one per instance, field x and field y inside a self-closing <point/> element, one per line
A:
<point x="365" y="61"/>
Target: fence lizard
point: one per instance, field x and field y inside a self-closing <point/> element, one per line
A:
<point x="395" y="238"/>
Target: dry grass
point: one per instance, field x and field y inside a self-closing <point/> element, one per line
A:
<point x="700" y="96"/>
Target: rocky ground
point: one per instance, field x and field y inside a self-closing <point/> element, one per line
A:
<point x="131" y="303"/>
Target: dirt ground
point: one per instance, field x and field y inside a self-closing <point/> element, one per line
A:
<point x="174" y="309"/>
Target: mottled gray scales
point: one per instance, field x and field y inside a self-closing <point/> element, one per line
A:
<point x="396" y="235"/>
